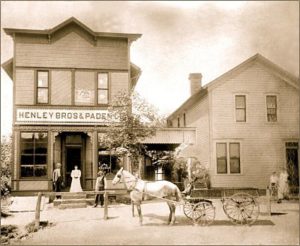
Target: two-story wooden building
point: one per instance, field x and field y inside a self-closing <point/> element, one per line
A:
<point x="64" y="79"/>
<point x="247" y="123"/>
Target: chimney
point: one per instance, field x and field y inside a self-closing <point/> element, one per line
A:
<point x="195" y="82"/>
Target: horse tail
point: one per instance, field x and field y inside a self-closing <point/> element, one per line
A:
<point x="178" y="194"/>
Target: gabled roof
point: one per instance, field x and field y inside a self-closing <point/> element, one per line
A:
<point x="189" y="102"/>
<point x="73" y="20"/>
<point x="272" y="68"/>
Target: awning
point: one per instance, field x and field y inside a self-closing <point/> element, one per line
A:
<point x="173" y="135"/>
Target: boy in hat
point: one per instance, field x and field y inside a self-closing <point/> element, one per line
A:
<point x="100" y="185"/>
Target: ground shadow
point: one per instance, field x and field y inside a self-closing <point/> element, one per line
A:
<point x="277" y="213"/>
<point x="183" y="220"/>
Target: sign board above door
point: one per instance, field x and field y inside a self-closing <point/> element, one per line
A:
<point x="64" y="116"/>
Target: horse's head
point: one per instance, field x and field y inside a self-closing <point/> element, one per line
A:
<point x="118" y="177"/>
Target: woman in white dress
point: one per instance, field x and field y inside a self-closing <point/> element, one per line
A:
<point x="75" y="185"/>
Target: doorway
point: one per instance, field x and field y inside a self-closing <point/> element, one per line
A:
<point x="73" y="158"/>
<point x="292" y="164"/>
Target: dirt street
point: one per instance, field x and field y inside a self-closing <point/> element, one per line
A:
<point x="86" y="226"/>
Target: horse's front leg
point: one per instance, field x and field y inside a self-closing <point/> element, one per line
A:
<point x="140" y="213"/>
<point x="171" y="219"/>
<point x="132" y="208"/>
<point x="173" y="207"/>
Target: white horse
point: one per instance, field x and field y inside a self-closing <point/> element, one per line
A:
<point x="143" y="190"/>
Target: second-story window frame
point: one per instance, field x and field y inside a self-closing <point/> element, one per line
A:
<point x="271" y="108"/>
<point x="104" y="89"/>
<point x="42" y="87"/>
<point x="240" y="108"/>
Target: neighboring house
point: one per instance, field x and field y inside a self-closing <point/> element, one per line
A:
<point x="247" y="123"/>
<point x="64" y="79"/>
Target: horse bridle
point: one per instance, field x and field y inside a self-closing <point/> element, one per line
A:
<point x="132" y="187"/>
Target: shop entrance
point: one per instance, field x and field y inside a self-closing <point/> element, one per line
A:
<point x="73" y="145"/>
<point x="73" y="158"/>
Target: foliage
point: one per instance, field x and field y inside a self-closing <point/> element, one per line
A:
<point x="137" y="119"/>
<point x="6" y="161"/>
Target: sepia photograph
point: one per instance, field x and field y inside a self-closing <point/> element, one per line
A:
<point x="150" y="123"/>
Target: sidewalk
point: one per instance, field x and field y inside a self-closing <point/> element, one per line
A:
<point x="85" y="226"/>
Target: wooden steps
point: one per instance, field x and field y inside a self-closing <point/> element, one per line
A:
<point x="73" y="201"/>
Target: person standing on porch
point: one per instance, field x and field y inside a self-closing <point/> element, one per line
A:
<point x="57" y="179"/>
<point x="283" y="186"/>
<point x="75" y="185"/>
<point x="100" y="186"/>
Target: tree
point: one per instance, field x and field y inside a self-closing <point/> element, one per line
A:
<point x="6" y="161"/>
<point x="136" y="120"/>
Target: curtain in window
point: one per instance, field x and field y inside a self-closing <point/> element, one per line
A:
<point x="234" y="152"/>
<point x="221" y="158"/>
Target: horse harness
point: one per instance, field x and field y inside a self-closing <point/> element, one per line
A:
<point x="133" y="187"/>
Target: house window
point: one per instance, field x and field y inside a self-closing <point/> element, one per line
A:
<point x="102" y="88"/>
<point x="227" y="155"/>
<point x="240" y="108"/>
<point x="271" y="108"/>
<point x="221" y="158"/>
<point x="178" y="121"/>
<point x="42" y="86"/>
<point x="34" y="150"/>
<point x="234" y="155"/>
<point x="159" y="173"/>
<point x="184" y="120"/>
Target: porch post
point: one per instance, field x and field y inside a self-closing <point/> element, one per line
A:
<point x="95" y="156"/>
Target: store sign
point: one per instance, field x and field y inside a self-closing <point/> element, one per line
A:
<point x="64" y="116"/>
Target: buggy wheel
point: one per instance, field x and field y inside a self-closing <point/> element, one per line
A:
<point x="188" y="210"/>
<point x="241" y="208"/>
<point x="206" y="211"/>
<point x="202" y="213"/>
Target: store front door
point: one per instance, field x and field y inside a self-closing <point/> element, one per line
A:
<point x="73" y="158"/>
<point x="73" y="155"/>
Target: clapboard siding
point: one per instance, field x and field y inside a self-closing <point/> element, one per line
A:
<point x="197" y="116"/>
<point x="73" y="51"/>
<point x="256" y="83"/>
<point x="262" y="142"/>
<point x="119" y="83"/>
<point x="61" y="85"/>
<point x="24" y="86"/>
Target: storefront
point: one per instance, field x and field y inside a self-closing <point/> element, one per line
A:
<point x="42" y="141"/>
<point x="64" y="81"/>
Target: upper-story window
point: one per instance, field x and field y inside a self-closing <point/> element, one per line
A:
<point x="42" y="87"/>
<point x="271" y="108"/>
<point x="240" y="108"/>
<point x="184" y="119"/>
<point x="178" y="121"/>
<point x="103" y="88"/>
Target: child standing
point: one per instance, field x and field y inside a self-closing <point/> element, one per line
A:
<point x="100" y="185"/>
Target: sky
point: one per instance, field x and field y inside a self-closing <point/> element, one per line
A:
<point x="178" y="38"/>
